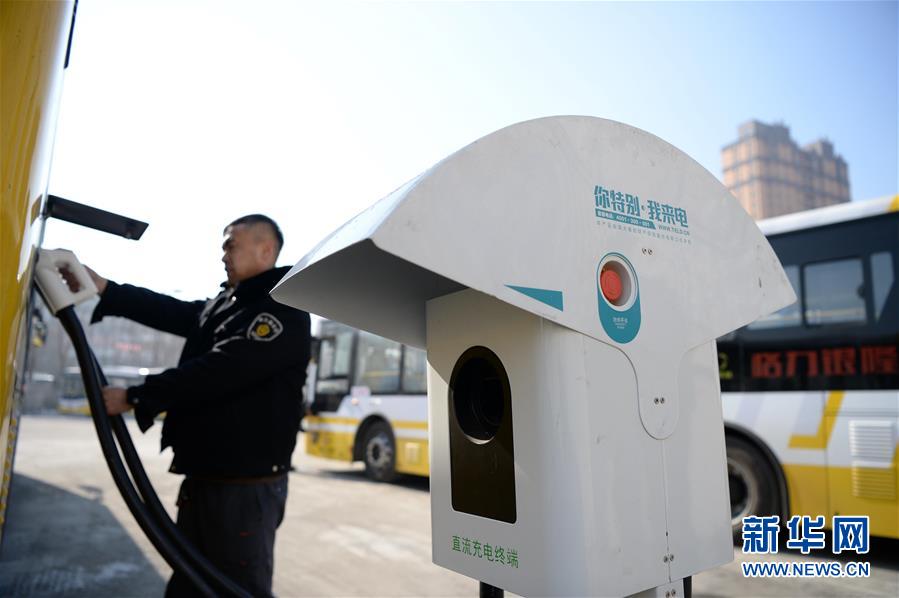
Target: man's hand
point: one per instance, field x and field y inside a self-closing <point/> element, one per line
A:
<point x="75" y="286"/>
<point x="116" y="400"/>
<point x="99" y="281"/>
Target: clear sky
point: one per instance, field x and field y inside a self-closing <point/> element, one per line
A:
<point x="189" y="114"/>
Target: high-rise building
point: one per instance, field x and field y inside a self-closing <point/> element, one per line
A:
<point x="771" y="175"/>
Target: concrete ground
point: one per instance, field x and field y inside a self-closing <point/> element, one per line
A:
<point x="68" y="533"/>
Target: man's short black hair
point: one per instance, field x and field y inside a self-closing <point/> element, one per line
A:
<point x="251" y="219"/>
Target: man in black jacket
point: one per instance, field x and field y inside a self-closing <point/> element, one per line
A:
<point x="233" y="403"/>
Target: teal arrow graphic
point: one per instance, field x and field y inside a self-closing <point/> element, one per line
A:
<point x="551" y="298"/>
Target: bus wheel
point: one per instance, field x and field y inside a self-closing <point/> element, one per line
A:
<point x="379" y="453"/>
<point x="753" y="490"/>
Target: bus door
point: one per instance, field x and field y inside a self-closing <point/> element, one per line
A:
<point x="332" y="376"/>
<point x="780" y="368"/>
<point x="326" y="436"/>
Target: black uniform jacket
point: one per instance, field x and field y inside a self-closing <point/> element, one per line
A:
<point x="233" y="403"/>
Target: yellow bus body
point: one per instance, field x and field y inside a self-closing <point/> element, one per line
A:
<point x="33" y="38"/>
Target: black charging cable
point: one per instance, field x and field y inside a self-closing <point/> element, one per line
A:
<point x="160" y="515"/>
<point x="143" y="503"/>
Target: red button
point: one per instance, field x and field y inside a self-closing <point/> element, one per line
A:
<point x="610" y="283"/>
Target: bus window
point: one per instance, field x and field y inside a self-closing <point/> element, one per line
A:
<point x="332" y="376"/>
<point x="342" y="354"/>
<point x="881" y="280"/>
<point x="788" y="316"/>
<point x="378" y="364"/>
<point x="334" y="356"/>
<point x="415" y="368"/>
<point x="834" y="292"/>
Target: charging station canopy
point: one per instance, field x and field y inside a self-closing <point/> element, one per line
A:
<point x="525" y="214"/>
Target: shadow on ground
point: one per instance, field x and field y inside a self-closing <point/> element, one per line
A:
<point x="56" y="543"/>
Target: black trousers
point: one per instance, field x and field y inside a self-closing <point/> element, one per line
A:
<point x="233" y="525"/>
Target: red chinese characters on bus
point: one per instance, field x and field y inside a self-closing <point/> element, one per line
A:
<point x="796" y="359"/>
<point x="837" y="361"/>
<point x="880" y="360"/>
<point x="767" y="365"/>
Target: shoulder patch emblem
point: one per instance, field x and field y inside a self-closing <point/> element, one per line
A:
<point x="265" y="327"/>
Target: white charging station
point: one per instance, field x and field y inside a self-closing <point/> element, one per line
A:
<point x="568" y="277"/>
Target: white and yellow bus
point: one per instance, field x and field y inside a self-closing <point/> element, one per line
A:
<point x="73" y="399"/>
<point x="811" y="393"/>
<point x="369" y="401"/>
